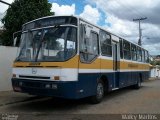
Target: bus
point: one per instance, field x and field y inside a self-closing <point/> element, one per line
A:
<point x="69" y="57"/>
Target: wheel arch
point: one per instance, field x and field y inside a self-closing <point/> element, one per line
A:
<point x="105" y="81"/>
<point x="140" y="77"/>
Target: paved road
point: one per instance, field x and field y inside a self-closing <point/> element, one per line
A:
<point x="124" y="101"/>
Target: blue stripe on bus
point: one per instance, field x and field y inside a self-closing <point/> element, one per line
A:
<point x="84" y="87"/>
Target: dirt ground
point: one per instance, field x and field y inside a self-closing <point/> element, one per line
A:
<point x="146" y="100"/>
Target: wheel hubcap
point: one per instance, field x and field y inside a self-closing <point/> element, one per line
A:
<point x="100" y="90"/>
<point x="139" y="83"/>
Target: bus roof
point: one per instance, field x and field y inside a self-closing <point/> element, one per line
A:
<point x="80" y="18"/>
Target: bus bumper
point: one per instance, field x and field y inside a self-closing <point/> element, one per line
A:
<point x="61" y="89"/>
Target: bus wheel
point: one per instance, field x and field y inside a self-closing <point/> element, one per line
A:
<point x="99" y="93"/>
<point x="138" y="84"/>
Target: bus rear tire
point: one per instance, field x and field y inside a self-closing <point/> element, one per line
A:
<point x="99" y="93"/>
<point x="137" y="85"/>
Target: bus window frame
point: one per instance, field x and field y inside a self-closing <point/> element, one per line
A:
<point x="82" y="52"/>
<point x="138" y="54"/>
<point x="146" y="56"/>
<point x="107" y="45"/>
<point x="121" y="48"/>
<point x="143" y="55"/>
<point x="129" y="51"/>
<point x="133" y="52"/>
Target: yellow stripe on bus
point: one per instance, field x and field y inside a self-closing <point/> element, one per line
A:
<point x="96" y="64"/>
<point x="72" y="63"/>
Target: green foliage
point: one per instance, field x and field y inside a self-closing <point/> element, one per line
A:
<point x="152" y="62"/>
<point x="158" y="63"/>
<point x="20" y="12"/>
<point x="155" y="62"/>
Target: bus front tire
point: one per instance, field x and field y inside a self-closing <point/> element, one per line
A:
<point x="99" y="93"/>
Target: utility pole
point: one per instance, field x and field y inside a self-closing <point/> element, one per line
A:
<point x="140" y="30"/>
<point x="5" y="2"/>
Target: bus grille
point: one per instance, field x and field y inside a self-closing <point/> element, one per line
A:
<point x="34" y="77"/>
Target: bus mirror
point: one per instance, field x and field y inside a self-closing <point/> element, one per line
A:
<point x="15" y="41"/>
<point x="88" y="32"/>
<point x="16" y="38"/>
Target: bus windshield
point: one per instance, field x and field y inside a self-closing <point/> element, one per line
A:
<point x="48" y="44"/>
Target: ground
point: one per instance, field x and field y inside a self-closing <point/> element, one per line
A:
<point x="146" y="100"/>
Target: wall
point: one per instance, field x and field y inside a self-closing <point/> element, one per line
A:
<point x="7" y="56"/>
<point x="155" y="72"/>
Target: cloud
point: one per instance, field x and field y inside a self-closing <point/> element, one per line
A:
<point x="153" y="48"/>
<point x="120" y="27"/>
<point x="120" y="14"/>
<point x="91" y="14"/>
<point x="129" y="30"/>
<point x="129" y="9"/>
<point x="4" y="7"/>
<point x="63" y="9"/>
<point x="1" y="16"/>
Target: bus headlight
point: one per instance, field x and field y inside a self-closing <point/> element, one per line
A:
<point x="54" y="86"/>
<point x="47" y="86"/>
<point x="51" y="86"/>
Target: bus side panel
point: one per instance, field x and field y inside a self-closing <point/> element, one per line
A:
<point x="131" y="78"/>
<point x="145" y="75"/>
<point x="87" y="83"/>
<point x="123" y="77"/>
<point x="110" y="78"/>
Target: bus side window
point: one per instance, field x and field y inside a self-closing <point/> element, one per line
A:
<point x="126" y="48"/>
<point x="146" y="57"/>
<point x="88" y="45"/>
<point x="17" y="38"/>
<point x="139" y="54"/>
<point x="134" y="52"/>
<point x="143" y="56"/>
<point x="106" y="46"/>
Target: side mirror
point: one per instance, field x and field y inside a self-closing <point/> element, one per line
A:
<point x="87" y="31"/>
<point x="16" y="38"/>
<point x="15" y="41"/>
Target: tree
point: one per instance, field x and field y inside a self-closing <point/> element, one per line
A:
<point x="20" y="12"/>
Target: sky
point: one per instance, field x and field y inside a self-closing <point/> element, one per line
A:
<point x="116" y="16"/>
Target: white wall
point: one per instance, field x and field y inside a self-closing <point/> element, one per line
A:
<point x="7" y="56"/>
<point x="155" y="72"/>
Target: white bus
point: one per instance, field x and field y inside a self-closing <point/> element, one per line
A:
<point x="69" y="57"/>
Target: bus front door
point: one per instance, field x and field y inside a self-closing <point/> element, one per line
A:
<point x="115" y="49"/>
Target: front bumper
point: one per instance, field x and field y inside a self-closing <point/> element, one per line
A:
<point x="63" y="89"/>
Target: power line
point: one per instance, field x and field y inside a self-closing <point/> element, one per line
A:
<point x="5" y="2"/>
<point x="129" y="7"/>
<point x="140" y="30"/>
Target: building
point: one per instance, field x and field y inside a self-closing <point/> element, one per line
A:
<point x="157" y="58"/>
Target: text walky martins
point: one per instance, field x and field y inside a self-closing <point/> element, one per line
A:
<point x="139" y="117"/>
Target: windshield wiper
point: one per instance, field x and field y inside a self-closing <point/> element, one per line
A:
<point x="42" y="39"/>
<point x="40" y="44"/>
